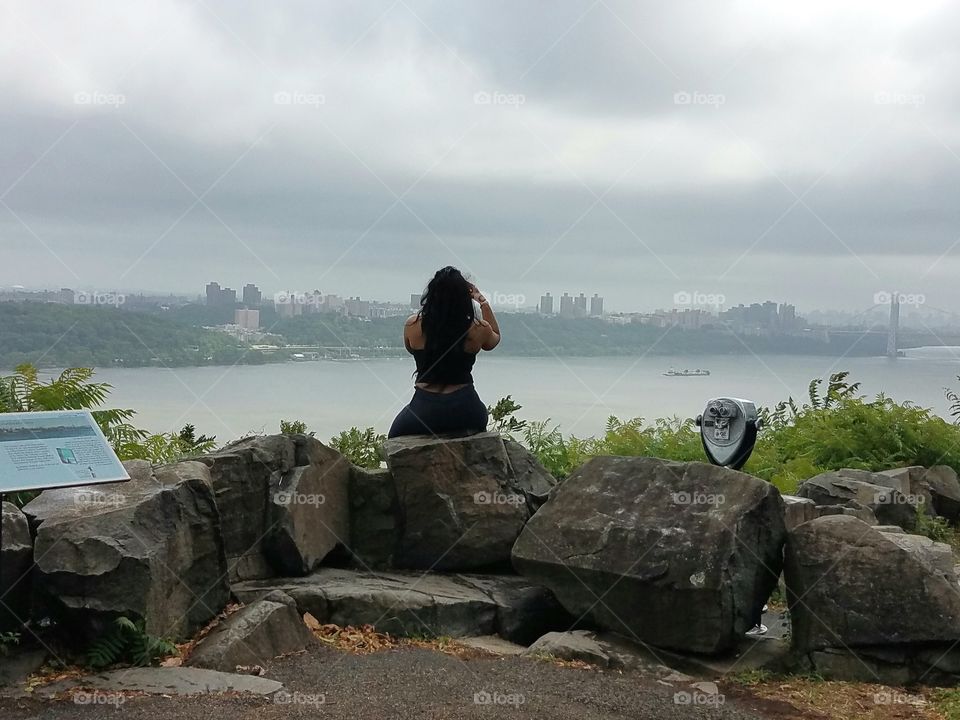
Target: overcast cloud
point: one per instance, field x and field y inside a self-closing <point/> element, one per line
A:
<point x="806" y="152"/>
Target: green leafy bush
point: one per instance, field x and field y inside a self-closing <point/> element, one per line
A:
<point x="503" y="415"/>
<point x="836" y="428"/>
<point x="293" y="427"/>
<point x="361" y="447"/>
<point x="127" y="641"/>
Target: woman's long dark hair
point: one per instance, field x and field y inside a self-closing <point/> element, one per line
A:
<point x="446" y="315"/>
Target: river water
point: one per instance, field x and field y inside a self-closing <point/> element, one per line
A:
<point x="577" y="393"/>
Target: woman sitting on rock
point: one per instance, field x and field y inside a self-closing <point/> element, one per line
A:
<point x="444" y="339"/>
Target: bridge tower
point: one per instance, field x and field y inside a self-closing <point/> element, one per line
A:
<point x="894" y="326"/>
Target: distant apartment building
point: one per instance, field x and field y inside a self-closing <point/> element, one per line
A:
<point x="252" y="295"/>
<point x="763" y="318"/>
<point x="67" y="296"/>
<point x="356" y="307"/>
<point x="566" y="306"/>
<point x="596" y="306"/>
<point x="415" y="300"/>
<point x="247" y="319"/>
<point x="580" y="306"/>
<point x="546" y="304"/>
<point x="220" y="296"/>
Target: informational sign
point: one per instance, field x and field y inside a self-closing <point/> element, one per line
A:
<point x="66" y="448"/>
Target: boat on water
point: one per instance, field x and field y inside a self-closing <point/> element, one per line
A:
<point x="686" y="373"/>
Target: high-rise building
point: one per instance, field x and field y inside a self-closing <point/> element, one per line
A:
<point x="596" y="306"/>
<point x="252" y="295"/>
<point x="213" y="293"/>
<point x="67" y="296"/>
<point x="357" y="307"/>
<point x="546" y="304"/>
<point x="220" y="296"/>
<point x="580" y="305"/>
<point x="415" y="300"/>
<point x="247" y="319"/>
<point x="566" y="305"/>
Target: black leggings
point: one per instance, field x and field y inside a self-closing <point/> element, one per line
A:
<point x="431" y="413"/>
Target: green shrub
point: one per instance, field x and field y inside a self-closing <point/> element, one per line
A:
<point x="127" y="641"/>
<point x="294" y="427"/>
<point x="837" y="428"/>
<point x="361" y="447"/>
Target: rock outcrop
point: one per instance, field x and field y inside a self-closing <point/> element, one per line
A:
<point x="148" y="549"/>
<point x="256" y="633"/>
<point x="16" y="557"/>
<point x="283" y="501"/>
<point x="887" y="498"/>
<point x="874" y="605"/>
<point x="407" y="603"/>
<point x="459" y="503"/>
<point x="375" y="523"/>
<point x="678" y="555"/>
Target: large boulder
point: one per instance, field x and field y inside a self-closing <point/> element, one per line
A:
<point x="528" y="475"/>
<point x="283" y="500"/>
<point x="871" y="598"/>
<point x="458" y="502"/>
<point x="797" y="510"/>
<point x="416" y="603"/>
<point x="16" y="558"/>
<point x="678" y="555"/>
<point x="887" y="498"/>
<point x="150" y="548"/>
<point x="374" y="518"/>
<point x="253" y="635"/>
<point x="938" y="486"/>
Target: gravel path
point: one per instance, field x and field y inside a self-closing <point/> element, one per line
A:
<point x="412" y="683"/>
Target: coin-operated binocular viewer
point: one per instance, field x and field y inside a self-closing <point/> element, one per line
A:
<point x="728" y="430"/>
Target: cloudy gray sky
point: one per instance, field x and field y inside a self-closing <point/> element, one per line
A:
<point x="807" y="152"/>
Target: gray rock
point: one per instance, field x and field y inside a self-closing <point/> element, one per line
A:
<point x="404" y="603"/>
<point x="263" y="534"/>
<point x="859" y="488"/>
<point x="309" y="511"/>
<point x="797" y="510"/>
<point x="458" y="507"/>
<point x="166" y="681"/>
<point x="374" y="518"/>
<point x="678" y="555"/>
<point x="606" y="650"/>
<point x="944" y="489"/>
<point x="16" y="558"/>
<point x="256" y="633"/>
<point x="852" y="587"/>
<point x="579" y="645"/>
<point x="529" y="476"/>
<point x="150" y="548"/>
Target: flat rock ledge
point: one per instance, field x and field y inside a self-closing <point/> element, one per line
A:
<point x="164" y="681"/>
<point x="417" y="604"/>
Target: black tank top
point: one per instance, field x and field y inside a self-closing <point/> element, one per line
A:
<point x="452" y="368"/>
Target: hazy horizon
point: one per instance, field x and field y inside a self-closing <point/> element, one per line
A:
<point x="804" y="154"/>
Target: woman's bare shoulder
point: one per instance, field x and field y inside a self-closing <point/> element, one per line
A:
<point x="413" y="319"/>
